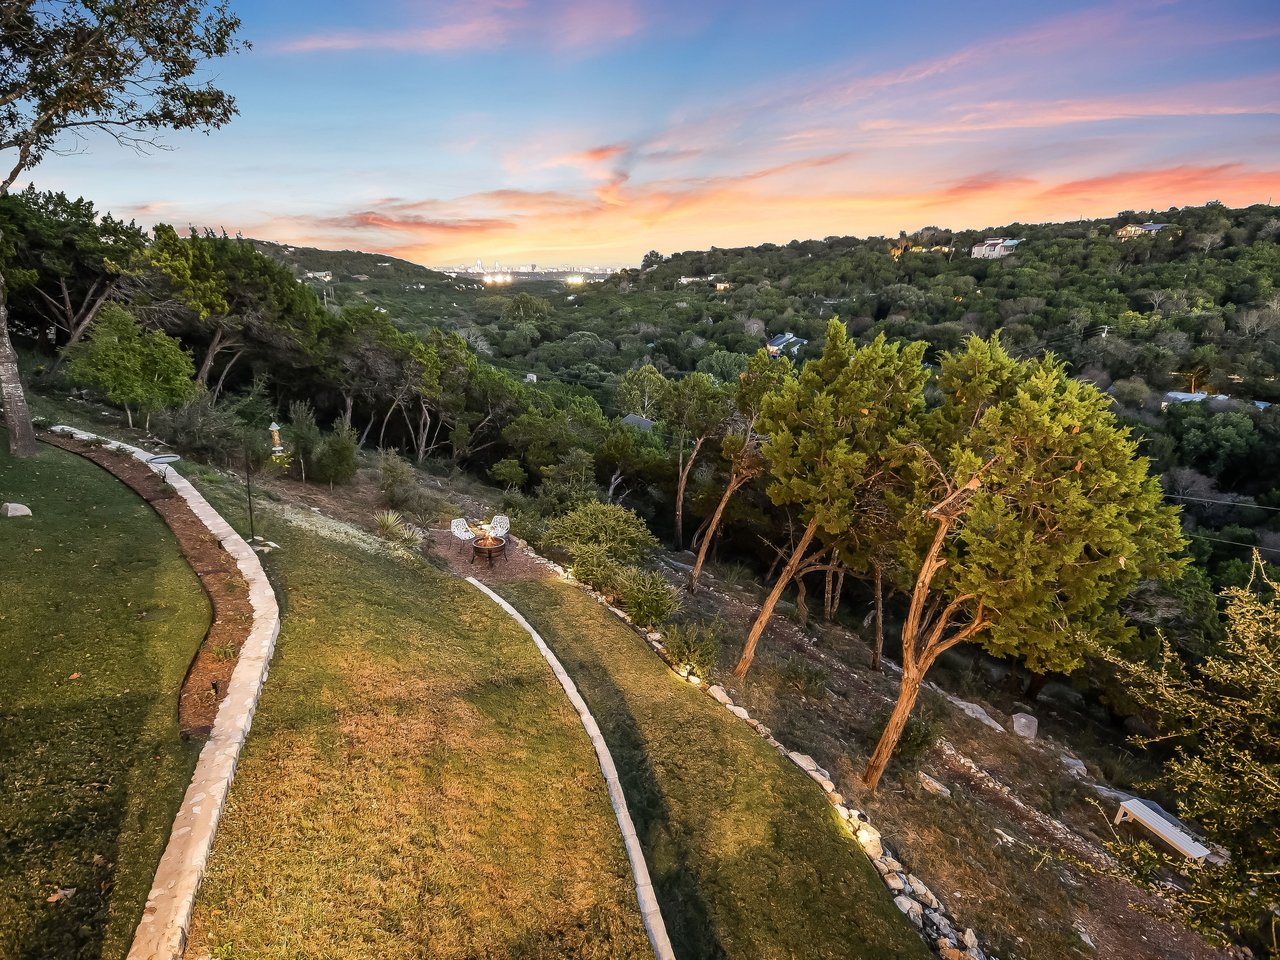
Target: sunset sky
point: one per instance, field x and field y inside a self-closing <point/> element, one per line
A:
<point x="591" y="131"/>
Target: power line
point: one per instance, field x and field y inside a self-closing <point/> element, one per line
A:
<point x="1232" y="503"/>
<point x="1234" y="543"/>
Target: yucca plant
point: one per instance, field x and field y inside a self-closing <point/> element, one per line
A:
<point x="390" y="524"/>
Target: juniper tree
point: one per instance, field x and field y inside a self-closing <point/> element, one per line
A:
<point x="125" y="69"/>
<point x="1027" y="517"/>
<point x="829" y="427"/>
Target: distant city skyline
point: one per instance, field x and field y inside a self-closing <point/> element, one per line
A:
<point x="591" y="131"/>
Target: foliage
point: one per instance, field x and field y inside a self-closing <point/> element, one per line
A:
<point x="337" y="460"/>
<point x="133" y="368"/>
<point x="620" y="531"/>
<point x="646" y="596"/>
<point x="1222" y="718"/>
<point x="694" y="644"/>
<point x="805" y="677"/>
<point x="593" y="564"/>
<point x="508" y="473"/>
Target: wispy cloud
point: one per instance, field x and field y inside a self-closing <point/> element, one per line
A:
<point x="487" y="24"/>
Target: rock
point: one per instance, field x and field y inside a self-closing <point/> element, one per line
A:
<point x="923" y="893"/>
<point x="1025" y="725"/>
<point x="969" y="938"/>
<point x="822" y="781"/>
<point x="940" y="925"/>
<point x="845" y="812"/>
<point x="1074" y="767"/>
<point x="654" y="637"/>
<point x="718" y="694"/>
<point x="975" y="711"/>
<point x="932" y="785"/>
<point x="896" y="882"/>
<point x="952" y="953"/>
<point x="739" y="712"/>
<point x="893" y="865"/>
<point x="869" y="837"/>
<point x="803" y="761"/>
<point x="15" y="510"/>
<point x="910" y="908"/>
<point x="880" y="865"/>
<point x="1084" y="936"/>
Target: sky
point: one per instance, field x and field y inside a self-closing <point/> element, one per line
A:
<point x="588" y="132"/>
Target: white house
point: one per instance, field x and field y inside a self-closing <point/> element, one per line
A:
<point x="994" y="248"/>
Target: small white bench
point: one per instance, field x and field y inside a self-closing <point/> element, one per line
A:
<point x="1164" y="827"/>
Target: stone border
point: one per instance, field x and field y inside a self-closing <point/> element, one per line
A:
<point x="910" y="895"/>
<point x="166" y="919"/>
<point x="649" y="910"/>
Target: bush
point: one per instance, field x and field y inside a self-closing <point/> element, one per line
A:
<point x="621" y="532"/>
<point x="918" y="737"/>
<point x="508" y="473"/>
<point x="645" y="596"/>
<point x="304" y="433"/>
<point x="202" y="429"/>
<point x="336" y="458"/>
<point x="809" y="679"/>
<point x="695" y="645"/>
<point x="397" y="480"/>
<point x="592" y="564"/>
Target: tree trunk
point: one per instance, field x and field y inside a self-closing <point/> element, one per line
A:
<point x="215" y="345"/>
<point x="80" y="323"/>
<point x="368" y="429"/>
<point x="1035" y="685"/>
<point x="685" y="470"/>
<point x="350" y="400"/>
<point x="424" y="425"/>
<point x="128" y="415"/>
<point x="907" y="694"/>
<point x="382" y="434"/>
<point x="735" y="481"/>
<point x="878" y="649"/>
<point x="225" y="370"/>
<point x="802" y="602"/>
<point x="828" y="611"/>
<point x="17" y="416"/>
<point x="771" y="601"/>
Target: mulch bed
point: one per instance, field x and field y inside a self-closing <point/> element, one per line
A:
<point x="210" y="672"/>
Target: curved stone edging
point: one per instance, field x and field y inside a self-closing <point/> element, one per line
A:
<point x="649" y="911"/>
<point x="166" y="919"/>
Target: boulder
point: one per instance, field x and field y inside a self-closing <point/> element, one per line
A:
<point x="896" y="882"/>
<point x="718" y="694"/>
<point x="1025" y="725"/>
<point x="740" y="712"/>
<point x="969" y="938"/>
<point x="822" y="781"/>
<point x="1074" y="767"/>
<point x="15" y="510"/>
<point x="932" y="785"/>
<point x="923" y="893"/>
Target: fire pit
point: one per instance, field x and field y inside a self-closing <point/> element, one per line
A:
<point x="488" y="547"/>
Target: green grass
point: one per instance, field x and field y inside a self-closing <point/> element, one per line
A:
<point x="748" y="858"/>
<point x="416" y="784"/>
<point x="92" y="769"/>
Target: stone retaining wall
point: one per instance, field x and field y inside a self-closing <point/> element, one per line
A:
<point x="166" y="919"/>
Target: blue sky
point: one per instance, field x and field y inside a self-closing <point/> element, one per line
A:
<point x="574" y="131"/>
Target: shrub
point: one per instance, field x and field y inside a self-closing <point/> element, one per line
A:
<point x="918" y="737"/>
<point x="592" y="564"/>
<point x="695" y="645"/>
<point x="646" y="596"/>
<point x="620" y="531"/>
<point x="390" y="523"/>
<point x="508" y="473"/>
<point x="397" y="480"/>
<point x="809" y="679"/>
<point x="336" y="459"/>
<point x="202" y="429"/>
<point x="304" y="433"/>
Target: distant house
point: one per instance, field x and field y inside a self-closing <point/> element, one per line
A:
<point x="1131" y="230"/>
<point x="358" y="276"/>
<point x="994" y="248"/>
<point x="324" y="276"/>
<point x="785" y="343"/>
<point x="643" y="424"/>
<point x="1177" y="396"/>
<point x="530" y="378"/>
<point x="723" y="285"/>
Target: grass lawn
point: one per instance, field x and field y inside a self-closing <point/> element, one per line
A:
<point x="748" y="858"/>
<point x="91" y="769"/>
<point x="416" y="784"/>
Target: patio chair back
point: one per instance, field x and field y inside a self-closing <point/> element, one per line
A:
<point x="459" y="528"/>
<point x="499" y="525"/>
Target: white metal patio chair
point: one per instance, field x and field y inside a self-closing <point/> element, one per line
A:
<point x="499" y="525"/>
<point x="462" y="531"/>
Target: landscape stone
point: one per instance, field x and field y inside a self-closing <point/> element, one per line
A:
<point x="718" y="694"/>
<point x="822" y="781"/>
<point x="952" y="953"/>
<point x="1025" y="725"/>
<point x="869" y="837"/>
<point x="803" y="761"/>
<point x="923" y="893"/>
<point x="969" y="938"/>
<point x="895" y="882"/>
<point x="932" y="785"/>
<point x="1075" y="767"/>
<point x="910" y="908"/>
<point x="739" y="712"/>
<point x="15" y="510"/>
